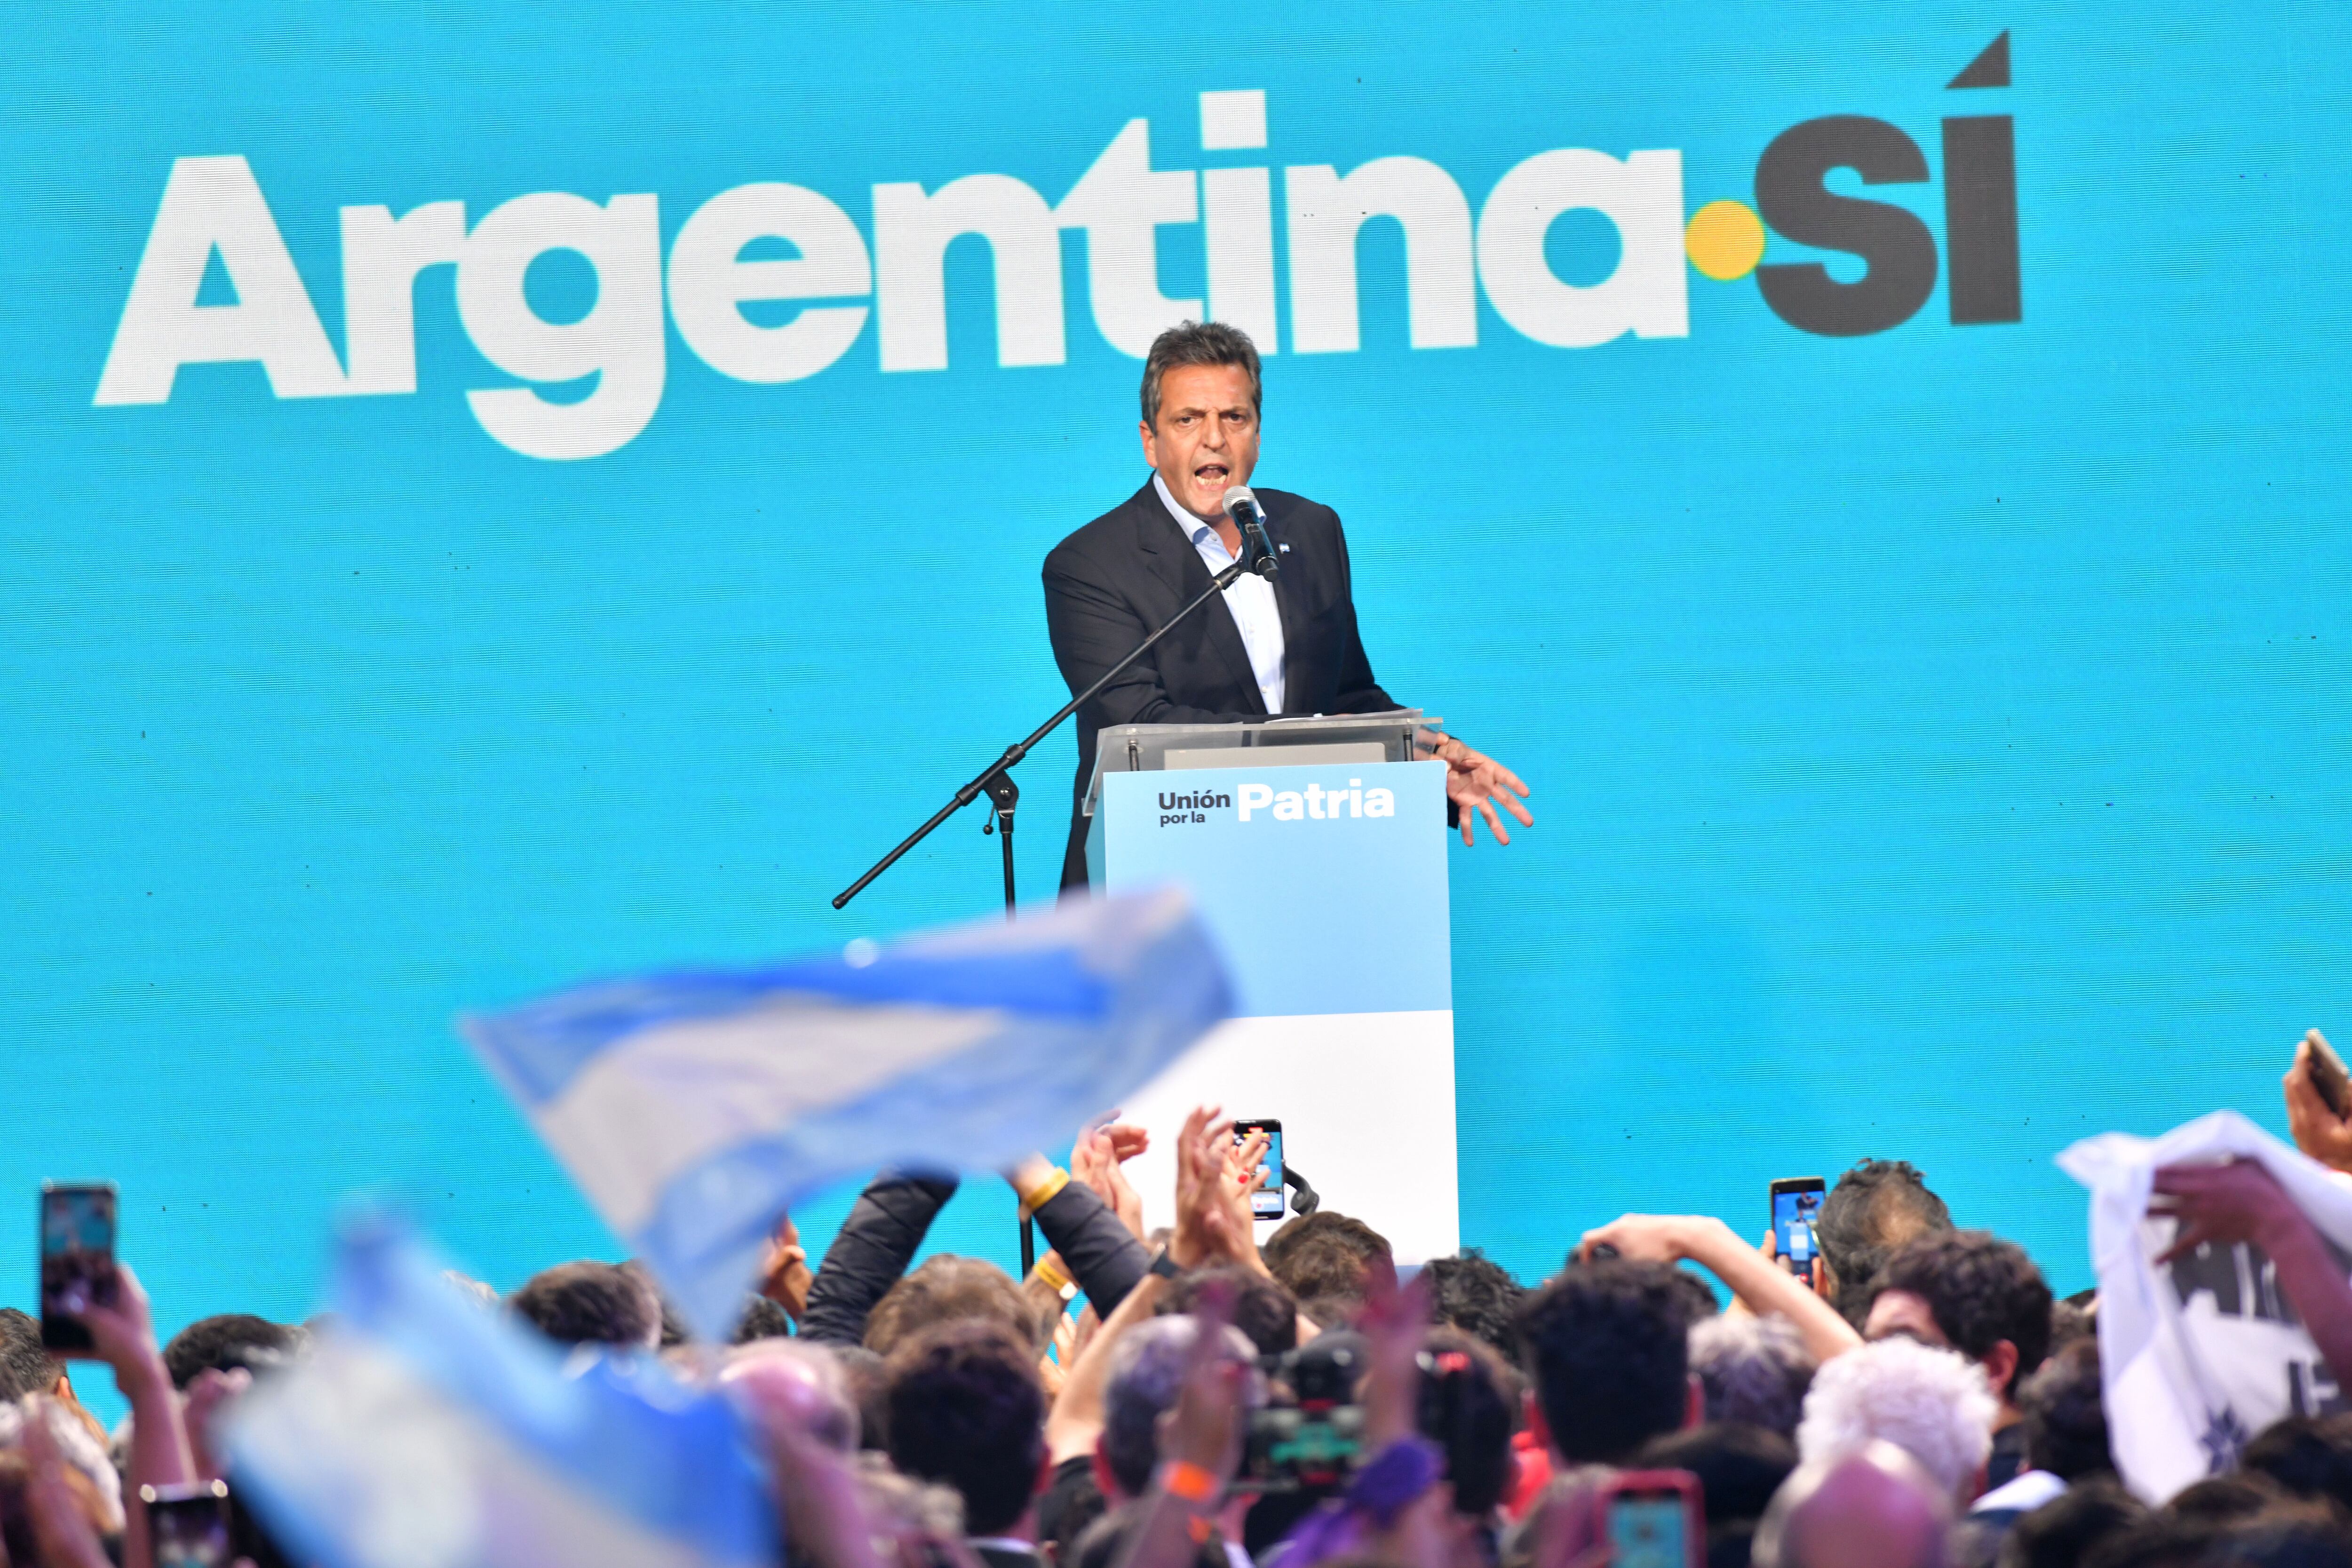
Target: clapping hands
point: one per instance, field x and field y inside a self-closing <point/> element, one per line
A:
<point x="1214" y="1179"/>
<point x="1095" y="1160"/>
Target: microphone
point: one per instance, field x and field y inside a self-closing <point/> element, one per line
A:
<point x="1242" y="508"/>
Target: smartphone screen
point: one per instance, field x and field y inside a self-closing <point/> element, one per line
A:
<point x="1266" y="1197"/>
<point x="189" y="1525"/>
<point x="1648" y="1530"/>
<point x="77" y="1258"/>
<point x="1795" y="1206"/>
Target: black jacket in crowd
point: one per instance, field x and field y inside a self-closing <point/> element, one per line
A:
<point x="883" y="1232"/>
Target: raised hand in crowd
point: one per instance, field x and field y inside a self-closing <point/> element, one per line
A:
<point x="1199" y="1443"/>
<point x="1212" y="1177"/>
<point x="2240" y="1201"/>
<point x="1205" y="1232"/>
<point x="123" y="1335"/>
<point x="63" y="1529"/>
<point x="1766" y="1287"/>
<point x="2319" y="1132"/>
<point x="785" y="1273"/>
<point x="211" y="1392"/>
<point x="1095" y="1158"/>
<point x="1406" y="1523"/>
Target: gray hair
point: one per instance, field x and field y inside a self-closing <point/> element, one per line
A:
<point x="1198" y="343"/>
<point x="1751" y="1369"/>
<point x="1146" y="1371"/>
<point x="1932" y="1403"/>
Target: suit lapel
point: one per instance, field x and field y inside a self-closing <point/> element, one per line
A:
<point x="1176" y="563"/>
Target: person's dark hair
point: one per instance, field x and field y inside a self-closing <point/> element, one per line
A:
<point x="2066" y="1415"/>
<point x="1324" y="1268"/>
<point x="1329" y="1312"/>
<point x="1326" y="1255"/>
<point x="590" y="1303"/>
<point x="944" y="1287"/>
<point x="2159" y="1540"/>
<point x="1738" y="1467"/>
<point x="866" y="1378"/>
<point x="24" y="1367"/>
<point x="1468" y="1409"/>
<point x="1606" y="1346"/>
<point x="761" y="1319"/>
<point x="1981" y="1290"/>
<point x="1752" y="1370"/>
<point x="2310" y="1456"/>
<point x="2061" y="1533"/>
<point x="2295" y="1537"/>
<point x="2069" y="1323"/>
<point x="1698" y="1296"/>
<point x="1477" y="1296"/>
<point x="1262" y="1309"/>
<point x="1874" y="1208"/>
<point x="965" y="1410"/>
<point x="673" y="1332"/>
<point x="2217" y="1499"/>
<point x="224" y="1343"/>
<point x="1198" y="343"/>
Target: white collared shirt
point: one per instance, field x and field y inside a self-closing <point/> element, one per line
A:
<point x="2024" y="1492"/>
<point x="1251" y="600"/>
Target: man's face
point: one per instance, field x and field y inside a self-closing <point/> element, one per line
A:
<point x="1899" y="1312"/>
<point x="1206" y="437"/>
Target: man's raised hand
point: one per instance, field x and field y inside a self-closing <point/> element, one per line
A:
<point x="1474" y="783"/>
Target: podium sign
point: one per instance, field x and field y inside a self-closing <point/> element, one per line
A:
<point x="1326" y="886"/>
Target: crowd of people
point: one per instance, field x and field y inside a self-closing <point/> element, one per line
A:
<point x="1913" y="1397"/>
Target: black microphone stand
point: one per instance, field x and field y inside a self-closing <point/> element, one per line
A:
<point x="996" y="780"/>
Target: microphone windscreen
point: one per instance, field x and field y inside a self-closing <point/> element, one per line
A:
<point x="1240" y="496"/>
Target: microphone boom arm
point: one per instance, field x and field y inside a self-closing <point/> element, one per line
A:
<point x="1014" y="754"/>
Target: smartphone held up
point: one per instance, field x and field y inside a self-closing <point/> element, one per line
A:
<point x="1796" y="1209"/>
<point x="191" y="1525"/>
<point x="76" y="1259"/>
<point x="1654" y="1519"/>
<point x="1267" y="1194"/>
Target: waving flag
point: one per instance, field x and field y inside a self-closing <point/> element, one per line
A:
<point x="694" y="1108"/>
<point x="429" y="1432"/>
<point x="2199" y="1355"/>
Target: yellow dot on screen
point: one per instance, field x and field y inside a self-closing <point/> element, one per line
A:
<point x="1725" y="240"/>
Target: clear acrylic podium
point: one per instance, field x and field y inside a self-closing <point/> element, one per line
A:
<point x="1315" y="850"/>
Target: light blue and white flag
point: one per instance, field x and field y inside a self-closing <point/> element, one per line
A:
<point x="693" y="1109"/>
<point x="427" y="1431"/>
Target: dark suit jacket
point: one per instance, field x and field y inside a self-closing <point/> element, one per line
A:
<point x="1117" y="580"/>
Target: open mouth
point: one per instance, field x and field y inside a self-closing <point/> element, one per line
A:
<point x="1210" y="476"/>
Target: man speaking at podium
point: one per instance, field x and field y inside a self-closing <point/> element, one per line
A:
<point x="1287" y="644"/>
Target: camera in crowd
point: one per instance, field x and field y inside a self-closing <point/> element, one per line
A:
<point x="1310" y="1436"/>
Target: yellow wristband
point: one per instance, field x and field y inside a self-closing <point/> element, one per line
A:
<point x="1045" y="1191"/>
<point x="1182" y="1479"/>
<point x="1052" y="1275"/>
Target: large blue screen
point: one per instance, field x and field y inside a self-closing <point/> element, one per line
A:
<point x="502" y="495"/>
